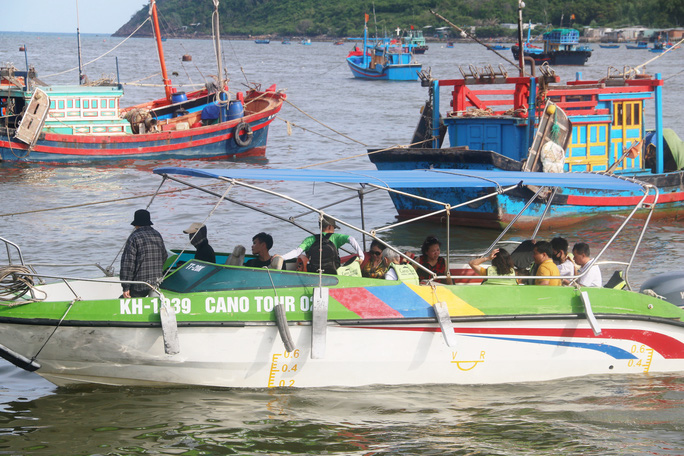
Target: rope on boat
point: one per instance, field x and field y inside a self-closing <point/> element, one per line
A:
<point x="98" y="58"/>
<point x="321" y="123"/>
<point x="636" y="68"/>
<point x="291" y="124"/>
<point x="15" y="286"/>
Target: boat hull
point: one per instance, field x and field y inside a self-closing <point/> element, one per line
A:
<point x="205" y="142"/>
<point x="574" y="57"/>
<point x="374" y="332"/>
<point x="254" y="357"/>
<point x="393" y="72"/>
<point x="569" y="207"/>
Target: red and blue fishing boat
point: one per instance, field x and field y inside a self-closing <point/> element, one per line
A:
<point x="528" y="123"/>
<point x="76" y="123"/>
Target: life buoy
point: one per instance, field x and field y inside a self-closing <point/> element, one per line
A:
<point x="244" y="139"/>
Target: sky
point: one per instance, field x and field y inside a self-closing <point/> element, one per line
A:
<point x="59" y="16"/>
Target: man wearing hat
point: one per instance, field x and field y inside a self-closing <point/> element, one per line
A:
<point x="143" y="257"/>
<point x="198" y="237"/>
<point x="322" y="253"/>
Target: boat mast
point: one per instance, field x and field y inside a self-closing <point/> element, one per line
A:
<point x="365" y="39"/>
<point x="78" y="39"/>
<point x="521" y="49"/>
<point x="219" y="63"/>
<point x="160" y="49"/>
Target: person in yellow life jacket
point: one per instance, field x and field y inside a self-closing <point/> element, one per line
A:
<point x="502" y="265"/>
<point x="398" y="271"/>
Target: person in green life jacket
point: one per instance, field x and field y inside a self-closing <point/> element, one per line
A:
<point x="502" y="265"/>
<point x="397" y="270"/>
<point x="327" y="254"/>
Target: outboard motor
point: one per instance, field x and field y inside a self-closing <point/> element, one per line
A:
<point x="670" y="286"/>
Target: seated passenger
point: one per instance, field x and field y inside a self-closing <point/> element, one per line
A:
<point x="583" y="259"/>
<point x="197" y="232"/>
<point x="261" y="244"/>
<point x="321" y="250"/>
<point x="566" y="266"/>
<point x="398" y="271"/>
<point x="543" y="252"/>
<point x="502" y="265"/>
<point x="375" y="267"/>
<point x="431" y="260"/>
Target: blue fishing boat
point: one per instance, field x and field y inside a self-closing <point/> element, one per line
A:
<point x="262" y="41"/>
<point x="638" y="45"/>
<point x="385" y="61"/>
<point x="497" y="122"/>
<point x="609" y="46"/>
<point x="414" y="41"/>
<point x="499" y="47"/>
<point x="561" y="47"/>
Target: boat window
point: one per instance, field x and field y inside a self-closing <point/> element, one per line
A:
<point x="195" y="277"/>
<point x="85" y="104"/>
<point x="637" y="113"/>
<point x="112" y="103"/>
<point x="60" y="104"/>
<point x="628" y="117"/>
<point x="70" y="103"/>
<point x="52" y="104"/>
<point x="94" y="103"/>
<point x="618" y="114"/>
<point x="78" y="103"/>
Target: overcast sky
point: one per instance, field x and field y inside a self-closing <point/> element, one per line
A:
<point x="95" y="16"/>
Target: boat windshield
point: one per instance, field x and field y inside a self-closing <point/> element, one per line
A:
<point x="195" y="276"/>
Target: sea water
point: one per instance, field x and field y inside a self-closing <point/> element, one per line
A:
<point x="329" y="119"/>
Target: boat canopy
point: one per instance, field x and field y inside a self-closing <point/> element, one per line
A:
<point x="420" y="178"/>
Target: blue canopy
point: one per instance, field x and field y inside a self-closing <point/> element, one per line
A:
<point x="419" y="178"/>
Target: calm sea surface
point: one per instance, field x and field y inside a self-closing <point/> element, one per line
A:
<point x="598" y="415"/>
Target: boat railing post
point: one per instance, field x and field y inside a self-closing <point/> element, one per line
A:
<point x="26" y="79"/>
<point x="658" y="125"/>
<point x="435" y="114"/>
<point x="545" y="213"/>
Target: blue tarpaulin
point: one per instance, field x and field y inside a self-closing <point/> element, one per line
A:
<point x="419" y="178"/>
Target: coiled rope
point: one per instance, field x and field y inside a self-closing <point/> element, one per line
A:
<point x="15" y="285"/>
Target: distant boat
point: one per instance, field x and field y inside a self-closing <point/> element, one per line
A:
<point x="306" y="42"/>
<point x="450" y="44"/>
<point x="339" y="43"/>
<point x="414" y="42"/>
<point x="262" y="41"/>
<point x="561" y="47"/>
<point x="286" y="42"/>
<point x="638" y="45"/>
<point x="609" y="46"/>
<point x="385" y="61"/>
<point x="499" y="47"/>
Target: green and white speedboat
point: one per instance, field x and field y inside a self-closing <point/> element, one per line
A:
<point x="233" y="326"/>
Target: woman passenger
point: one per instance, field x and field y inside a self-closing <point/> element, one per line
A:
<point x="431" y="260"/>
<point x="375" y="267"/>
<point x="502" y="265"/>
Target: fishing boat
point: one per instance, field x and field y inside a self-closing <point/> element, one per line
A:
<point x="306" y="42"/>
<point x="414" y="41"/>
<point x="286" y="42"/>
<point x="498" y="47"/>
<point x="79" y="123"/>
<point x="561" y="47"/>
<point x="383" y="60"/>
<point x="226" y="325"/>
<point x="638" y="45"/>
<point x="538" y="123"/>
<point x="262" y="41"/>
<point x="609" y="46"/>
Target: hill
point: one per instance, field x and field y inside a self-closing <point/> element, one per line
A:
<point x="341" y="18"/>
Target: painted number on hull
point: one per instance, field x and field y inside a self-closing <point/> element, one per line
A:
<point x="135" y="306"/>
<point x="645" y="355"/>
<point x="283" y="364"/>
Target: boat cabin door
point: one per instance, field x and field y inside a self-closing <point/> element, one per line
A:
<point x="554" y="126"/>
<point x="32" y="121"/>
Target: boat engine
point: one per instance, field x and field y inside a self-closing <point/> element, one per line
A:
<point x="669" y="286"/>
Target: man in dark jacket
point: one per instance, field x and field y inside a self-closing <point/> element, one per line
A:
<point x="198" y="237"/>
<point x="143" y="257"/>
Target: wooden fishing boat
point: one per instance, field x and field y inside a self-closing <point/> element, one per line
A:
<point x="233" y="326"/>
<point x="58" y="124"/>
<point x="561" y="47"/>
<point x="587" y="125"/>
<point x="638" y="45"/>
<point x="386" y="61"/>
<point x="414" y="41"/>
<point x="609" y="46"/>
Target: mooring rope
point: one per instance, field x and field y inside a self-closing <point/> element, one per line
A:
<point x="15" y="285"/>
<point x="98" y="58"/>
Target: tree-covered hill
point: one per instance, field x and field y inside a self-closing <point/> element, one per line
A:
<point x="340" y="18"/>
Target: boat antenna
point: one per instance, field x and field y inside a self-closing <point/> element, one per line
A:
<point x="521" y="48"/>
<point x="78" y="39"/>
<point x="160" y="50"/>
<point x="219" y="63"/>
